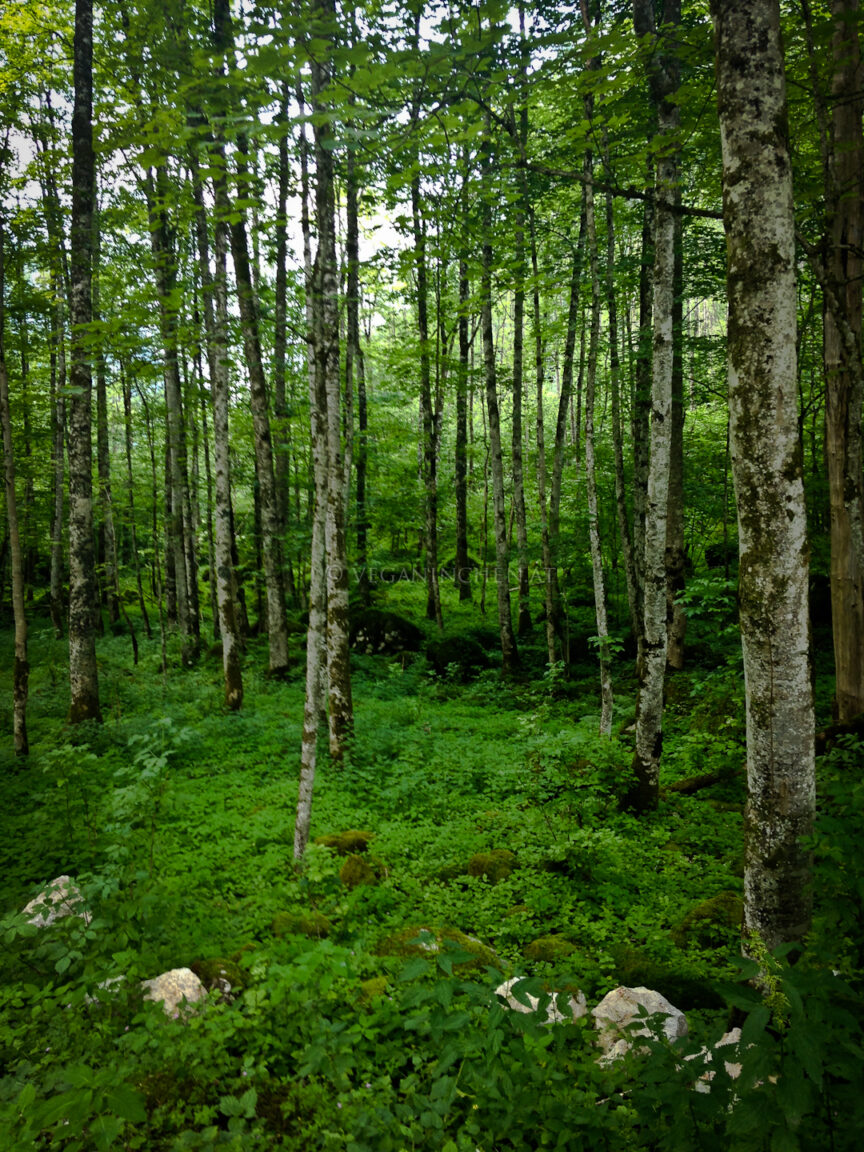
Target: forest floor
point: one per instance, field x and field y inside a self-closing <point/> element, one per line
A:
<point x="362" y="1013"/>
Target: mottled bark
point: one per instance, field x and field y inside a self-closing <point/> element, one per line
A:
<point x="214" y="291"/>
<point x="617" y="432"/>
<point x="663" y="79"/>
<point x="272" y="545"/>
<point x="21" y="667"/>
<point x="641" y="412"/>
<point x="550" y="582"/>
<point x="281" y="424"/>
<point x="316" y="636"/>
<point x="83" y="673"/>
<point x="766" y="461"/>
<point x="603" y="652"/>
<point x="509" y="651"/>
<point x="429" y="469"/>
<point x="58" y="441"/>
<point x="325" y="302"/>
<point x="106" y="536"/>
<point x="676" y="556"/>
<point x="462" y="575"/>
<point x="524" y="606"/>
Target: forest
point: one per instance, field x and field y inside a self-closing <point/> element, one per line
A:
<point x="431" y="575"/>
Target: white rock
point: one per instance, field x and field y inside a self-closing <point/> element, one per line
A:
<point x="621" y="1007"/>
<point x="173" y="988"/>
<point x="576" y="1005"/>
<point x="58" y="899"/>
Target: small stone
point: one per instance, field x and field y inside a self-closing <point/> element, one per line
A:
<point x="576" y="1005"/>
<point x="173" y="988"/>
<point x="621" y="1007"/>
<point x="57" y="899"/>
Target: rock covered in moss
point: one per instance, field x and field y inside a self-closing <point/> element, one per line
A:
<point x="711" y="920"/>
<point x="494" y="866"/>
<point x="383" y="633"/>
<point x="562" y="1006"/>
<point x="313" y="924"/>
<point x="346" y="843"/>
<point x="221" y="975"/>
<point x="59" y="898"/>
<point x="460" y="656"/>
<point x="174" y="988"/>
<point x="357" y="871"/>
<point x="424" y="941"/>
<point x="550" y="949"/>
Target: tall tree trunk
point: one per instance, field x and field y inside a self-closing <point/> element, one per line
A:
<point x="214" y="292"/>
<point x="462" y="575"/>
<point x="354" y="364"/>
<point x="316" y="636"/>
<point x="550" y="582"/>
<point x="325" y="301"/>
<point x="843" y="373"/>
<point x="21" y="667"/>
<point x="83" y="673"/>
<point x="58" y="440"/>
<point x="272" y="545"/>
<point x="429" y="461"/>
<point x="282" y="426"/>
<point x="649" y="716"/>
<point x="509" y="651"/>
<point x="773" y="591"/>
<point x="573" y="313"/>
<point x="676" y="556"/>
<point x="107" y="543"/>
<point x="166" y="276"/>
<point x="524" y="608"/>
<point x="606" y="699"/>
<point x="641" y="414"/>
<point x="617" y="432"/>
<point x="126" y="386"/>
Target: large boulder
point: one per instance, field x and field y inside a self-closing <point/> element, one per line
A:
<point x="380" y="633"/>
<point x="174" y="988"/>
<point x="519" y="1000"/>
<point x="459" y="656"/>
<point x="59" y="898"/>
<point x="621" y="1007"/>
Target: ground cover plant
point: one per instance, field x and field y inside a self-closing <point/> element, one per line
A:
<point x="474" y="833"/>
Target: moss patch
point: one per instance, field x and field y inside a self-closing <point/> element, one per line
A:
<point x="550" y="949"/>
<point x="423" y="941"/>
<point x="346" y="843"/>
<point x="215" y="973"/>
<point x="495" y="865"/>
<point x="314" y="924"/>
<point x="711" y="921"/>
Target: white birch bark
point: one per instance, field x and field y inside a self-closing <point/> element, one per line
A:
<point x="773" y="590"/>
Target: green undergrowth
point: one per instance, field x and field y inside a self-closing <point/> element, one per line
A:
<point x="472" y="834"/>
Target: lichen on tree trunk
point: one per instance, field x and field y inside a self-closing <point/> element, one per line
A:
<point x="766" y="462"/>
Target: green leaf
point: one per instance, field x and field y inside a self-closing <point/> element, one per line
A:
<point x="126" y="1102"/>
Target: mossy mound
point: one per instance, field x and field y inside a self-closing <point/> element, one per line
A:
<point x="313" y="924"/>
<point x="220" y="975"/>
<point x="461" y="657"/>
<point x="550" y="949"/>
<point x="356" y="871"/>
<point x="373" y="988"/>
<point x="710" y="922"/>
<point x="346" y="843"/>
<point x="380" y="633"/>
<point x="427" y="942"/>
<point x="495" y="865"/>
<point x="635" y="969"/>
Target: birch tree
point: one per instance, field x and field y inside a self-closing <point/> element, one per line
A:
<point x="766" y="463"/>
